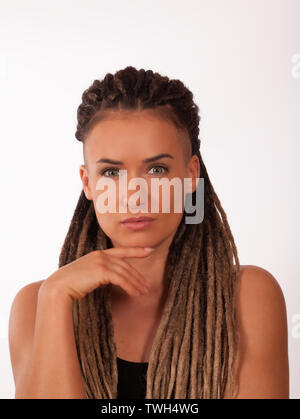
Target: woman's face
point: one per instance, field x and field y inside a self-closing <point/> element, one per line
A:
<point x="128" y="140"/>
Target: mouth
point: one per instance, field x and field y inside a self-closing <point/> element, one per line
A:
<point x="137" y="219"/>
<point x="137" y="223"/>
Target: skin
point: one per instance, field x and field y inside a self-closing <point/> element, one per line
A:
<point x="262" y="365"/>
<point x="261" y="369"/>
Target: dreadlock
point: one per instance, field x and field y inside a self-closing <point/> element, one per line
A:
<point x="195" y="345"/>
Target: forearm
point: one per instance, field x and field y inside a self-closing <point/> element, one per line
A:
<point x="53" y="369"/>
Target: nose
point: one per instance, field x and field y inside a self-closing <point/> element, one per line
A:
<point x="135" y="198"/>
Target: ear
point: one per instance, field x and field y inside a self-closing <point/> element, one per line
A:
<point x="85" y="181"/>
<point x="193" y="172"/>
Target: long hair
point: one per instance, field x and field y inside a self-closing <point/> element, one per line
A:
<point x="195" y="345"/>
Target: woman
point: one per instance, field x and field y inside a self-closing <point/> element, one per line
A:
<point x="205" y="326"/>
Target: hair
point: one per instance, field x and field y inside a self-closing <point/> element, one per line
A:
<point x="195" y="345"/>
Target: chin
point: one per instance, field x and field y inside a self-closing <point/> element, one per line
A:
<point x="135" y="241"/>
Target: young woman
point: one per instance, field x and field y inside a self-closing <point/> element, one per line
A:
<point x="201" y="326"/>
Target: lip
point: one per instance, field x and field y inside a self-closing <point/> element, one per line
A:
<point x="137" y="223"/>
<point x="137" y="219"/>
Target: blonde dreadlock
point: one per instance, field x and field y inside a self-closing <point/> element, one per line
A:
<point x="195" y="345"/>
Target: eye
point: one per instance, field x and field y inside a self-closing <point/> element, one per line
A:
<point x="102" y="173"/>
<point x="162" y="167"/>
<point x="112" y="169"/>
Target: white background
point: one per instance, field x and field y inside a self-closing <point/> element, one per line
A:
<point x="237" y="58"/>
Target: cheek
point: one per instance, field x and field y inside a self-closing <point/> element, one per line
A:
<point x="108" y="223"/>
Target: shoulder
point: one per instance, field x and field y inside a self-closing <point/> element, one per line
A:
<point x="21" y="324"/>
<point x="259" y="296"/>
<point x="255" y="281"/>
<point x="262" y="361"/>
<point x="23" y="307"/>
<point x="261" y="309"/>
<point x="25" y="301"/>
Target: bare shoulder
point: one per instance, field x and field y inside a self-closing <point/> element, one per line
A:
<point x="256" y="275"/>
<point x="257" y="286"/>
<point x="261" y="311"/>
<point x="25" y="302"/>
<point x="262" y="363"/>
<point x="21" y="324"/>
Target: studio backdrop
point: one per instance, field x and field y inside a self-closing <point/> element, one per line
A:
<point x="240" y="58"/>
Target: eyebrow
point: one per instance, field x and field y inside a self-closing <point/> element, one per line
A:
<point x="148" y="160"/>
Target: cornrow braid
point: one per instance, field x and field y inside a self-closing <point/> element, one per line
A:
<point x="195" y="344"/>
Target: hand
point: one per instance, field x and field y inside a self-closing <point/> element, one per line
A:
<point x="99" y="268"/>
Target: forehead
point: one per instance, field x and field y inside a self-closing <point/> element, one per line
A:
<point x="137" y="135"/>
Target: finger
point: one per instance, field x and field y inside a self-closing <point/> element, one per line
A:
<point x="129" y="272"/>
<point x="130" y="268"/>
<point x="128" y="252"/>
<point x="121" y="281"/>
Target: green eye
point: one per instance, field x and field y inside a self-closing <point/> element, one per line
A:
<point x="116" y="169"/>
<point x="107" y="170"/>
<point x="162" y="167"/>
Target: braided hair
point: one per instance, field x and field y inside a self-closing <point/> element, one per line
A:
<point x="195" y="345"/>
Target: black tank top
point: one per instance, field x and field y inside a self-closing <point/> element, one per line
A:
<point x="132" y="379"/>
